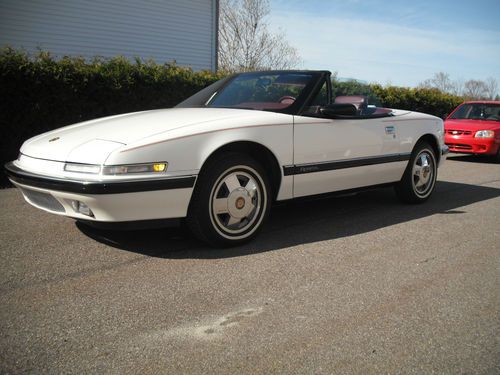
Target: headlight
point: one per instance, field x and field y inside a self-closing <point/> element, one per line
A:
<point x="117" y="169"/>
<point x="135" y="168"/>
<point x="82" y="168"/>
<point x="485" y="134"/>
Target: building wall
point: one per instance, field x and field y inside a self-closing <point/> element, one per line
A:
<point x="164" y="30"/>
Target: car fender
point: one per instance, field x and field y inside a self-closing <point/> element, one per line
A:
<point x="277" y="138"/>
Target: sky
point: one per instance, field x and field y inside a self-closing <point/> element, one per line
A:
<point x="393" y="42"/>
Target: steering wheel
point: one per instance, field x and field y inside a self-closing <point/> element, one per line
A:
<point x="287" y="99"/>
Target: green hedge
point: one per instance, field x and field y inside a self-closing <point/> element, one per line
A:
<point x="424" y="100"/>
<point x="430" y="101"/>
<point x="40" y="93"/>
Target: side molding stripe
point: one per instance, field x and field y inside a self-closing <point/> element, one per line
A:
<point x="289" y="170"/>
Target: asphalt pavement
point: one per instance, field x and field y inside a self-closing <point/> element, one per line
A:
<point x="356" y="284"/>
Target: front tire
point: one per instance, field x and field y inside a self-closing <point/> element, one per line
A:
<point x="496" y="157"/>
<point x="419" y="179"/>
<point x="230" y="202"/>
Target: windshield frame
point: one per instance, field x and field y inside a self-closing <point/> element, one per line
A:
<point x="219" y="86"/>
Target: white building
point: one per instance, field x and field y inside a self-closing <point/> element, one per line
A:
<point x="164" y="30"/>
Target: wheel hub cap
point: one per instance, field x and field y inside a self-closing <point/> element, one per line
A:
<point x="236" y="201"/>
<point x="238" y="206"/>
<point x="426" y="170"/>
<point x="423" y="173"/>
<point x="240" y="203"/>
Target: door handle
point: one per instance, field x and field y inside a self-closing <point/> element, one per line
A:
<point x="390" y="130"/>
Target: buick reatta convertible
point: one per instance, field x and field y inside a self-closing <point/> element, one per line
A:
<point x="220" y="158"/>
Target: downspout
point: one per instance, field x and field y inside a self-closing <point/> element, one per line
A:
<point x="215" y="39"/>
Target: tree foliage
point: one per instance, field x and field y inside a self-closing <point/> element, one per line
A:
<point x="245" y="42"/>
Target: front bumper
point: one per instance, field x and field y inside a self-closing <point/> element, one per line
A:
<point x="445" y="150"/>
<point x="471" y="145"/>
<point x="129" y="200"/>
<point x="444" y="154"/>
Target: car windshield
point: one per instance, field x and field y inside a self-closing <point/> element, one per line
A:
<point x="478" y="111"/>
<point x="263" y="91"/>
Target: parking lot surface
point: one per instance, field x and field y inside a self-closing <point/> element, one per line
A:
<point x="354" y="284"/>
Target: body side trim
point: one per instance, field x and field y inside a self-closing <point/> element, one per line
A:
<point x="289" y="170"/>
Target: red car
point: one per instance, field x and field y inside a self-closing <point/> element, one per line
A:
<point x="474" y="128"/>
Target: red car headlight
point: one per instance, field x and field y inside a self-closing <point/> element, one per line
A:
<point x="485" y="134"/>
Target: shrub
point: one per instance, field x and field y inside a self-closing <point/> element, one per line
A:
<point x="40" y="93"/>
<point x="425" y="100"/>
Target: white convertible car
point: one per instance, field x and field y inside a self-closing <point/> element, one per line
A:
<point x="220" y="158"/>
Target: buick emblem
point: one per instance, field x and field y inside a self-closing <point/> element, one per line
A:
<point x="53" y="139"/>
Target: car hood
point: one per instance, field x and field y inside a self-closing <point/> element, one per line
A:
<point x="472" y="125"/>
<point x="92" y="141"/>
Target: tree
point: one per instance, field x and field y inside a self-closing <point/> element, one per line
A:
<point x="471" y="89"/>
<point x="475" y="89"/>
<point x="246" y="44"/>
<point x="491" y="87"/>
<point x="458" y="87"/>
<point x="440" y="81"/>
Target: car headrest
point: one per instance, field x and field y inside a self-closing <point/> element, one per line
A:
<point x="359" y="101"/>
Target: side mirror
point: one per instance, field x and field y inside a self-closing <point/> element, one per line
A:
<point x="339" y="109"/>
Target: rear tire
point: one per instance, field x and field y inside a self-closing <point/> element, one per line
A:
<point x="419" y="179"/>
<point x="230" y="202"/>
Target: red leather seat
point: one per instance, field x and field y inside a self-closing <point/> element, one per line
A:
<point x="359" y="101"/>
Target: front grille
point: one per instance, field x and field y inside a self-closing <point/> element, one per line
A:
<point x="43" y="200"/>
<point x="459" y="146"/>
<point x="459" y="132"/>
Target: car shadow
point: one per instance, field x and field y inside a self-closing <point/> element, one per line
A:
<point x="304" y="221"/>
<point x="483" y="159"/>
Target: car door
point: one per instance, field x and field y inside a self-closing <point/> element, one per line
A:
<point x="340" y="154"/>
